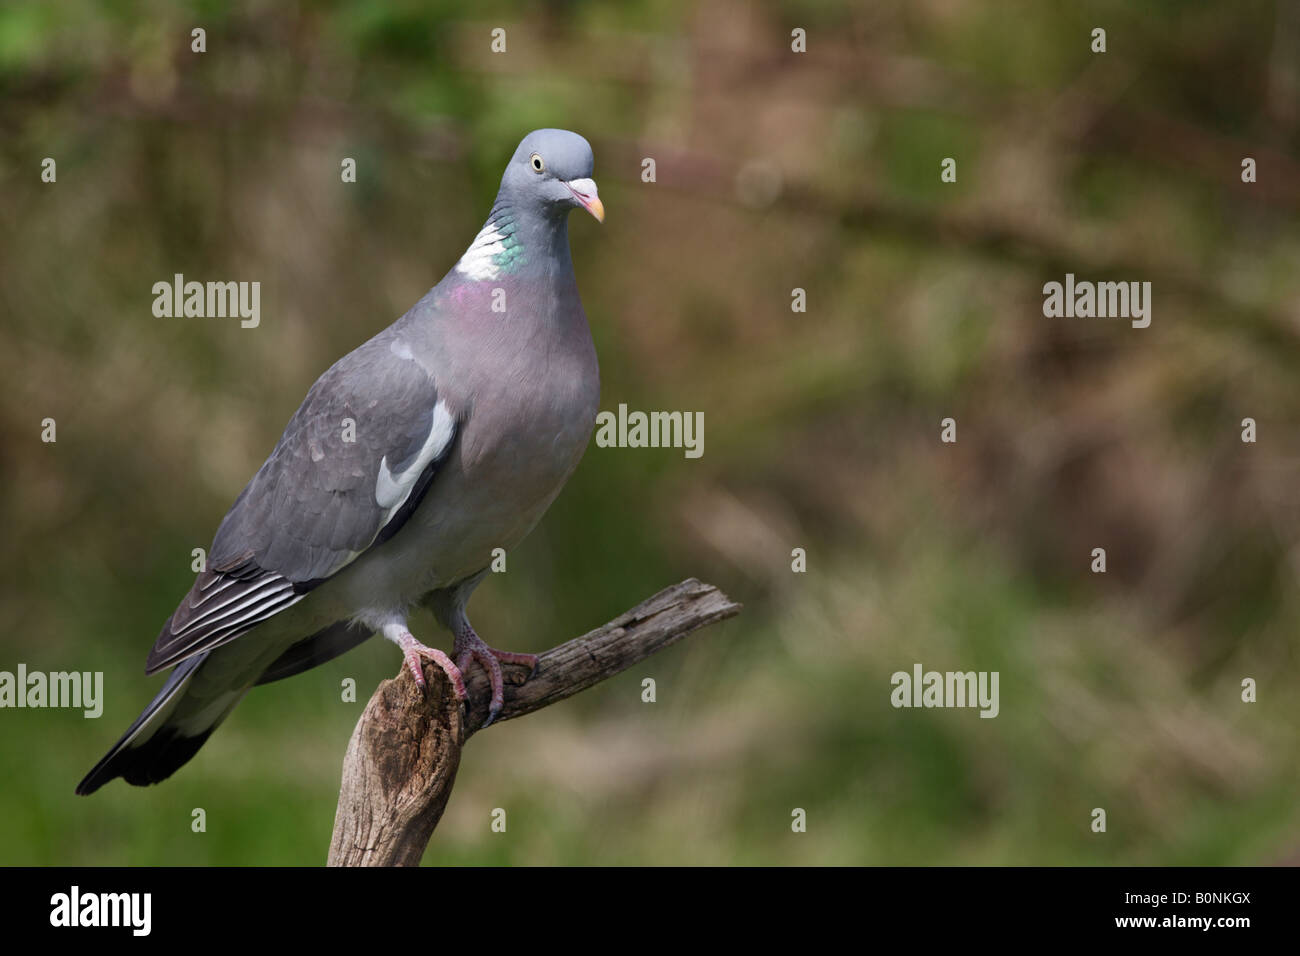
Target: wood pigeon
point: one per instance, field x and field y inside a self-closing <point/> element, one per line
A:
<point x="412" y="458"/>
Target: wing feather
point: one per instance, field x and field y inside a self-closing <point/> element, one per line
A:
<point x="312" y="507"/>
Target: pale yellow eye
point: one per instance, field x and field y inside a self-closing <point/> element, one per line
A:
<point x="537" y="163"/>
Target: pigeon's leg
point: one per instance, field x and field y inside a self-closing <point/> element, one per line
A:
<point x="413" y="651"/>
<point x="470" y="647"/>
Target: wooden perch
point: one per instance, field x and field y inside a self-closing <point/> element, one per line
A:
<point x="402" y="759"/>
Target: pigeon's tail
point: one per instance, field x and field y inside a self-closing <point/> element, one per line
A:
<point x="198" y="695"/>
<point x="163" y="738"/>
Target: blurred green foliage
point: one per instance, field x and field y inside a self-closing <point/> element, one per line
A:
<point x="1119" y="691"/>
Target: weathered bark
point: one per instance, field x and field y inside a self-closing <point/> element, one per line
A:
<point x="402" y="759"/>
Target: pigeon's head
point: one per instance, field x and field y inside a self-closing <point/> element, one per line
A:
<point x="551" y="171"/>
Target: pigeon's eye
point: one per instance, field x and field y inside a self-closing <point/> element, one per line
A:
<point x="537" y="163"/>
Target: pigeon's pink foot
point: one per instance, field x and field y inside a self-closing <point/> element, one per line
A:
<point x="412" y="653"/>
<point x="470" y="647"/>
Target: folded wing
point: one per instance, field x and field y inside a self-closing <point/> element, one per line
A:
<point x="354" y="462"/>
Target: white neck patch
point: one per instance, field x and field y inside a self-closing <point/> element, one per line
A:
<point x="478" y="262"/>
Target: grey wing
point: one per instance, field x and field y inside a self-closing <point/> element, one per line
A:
<point x="353" y="464"/>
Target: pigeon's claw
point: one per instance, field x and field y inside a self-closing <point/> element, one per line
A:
<point x="523" y="660"/>
<point x="414" y="653"/>
<point x="470" y="647"/>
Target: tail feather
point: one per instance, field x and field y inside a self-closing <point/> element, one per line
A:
<point x="159" y="757"/>
<point x="150" y="750"/>
<point x="325" y="645"/>
<point x="199" y="694"/>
